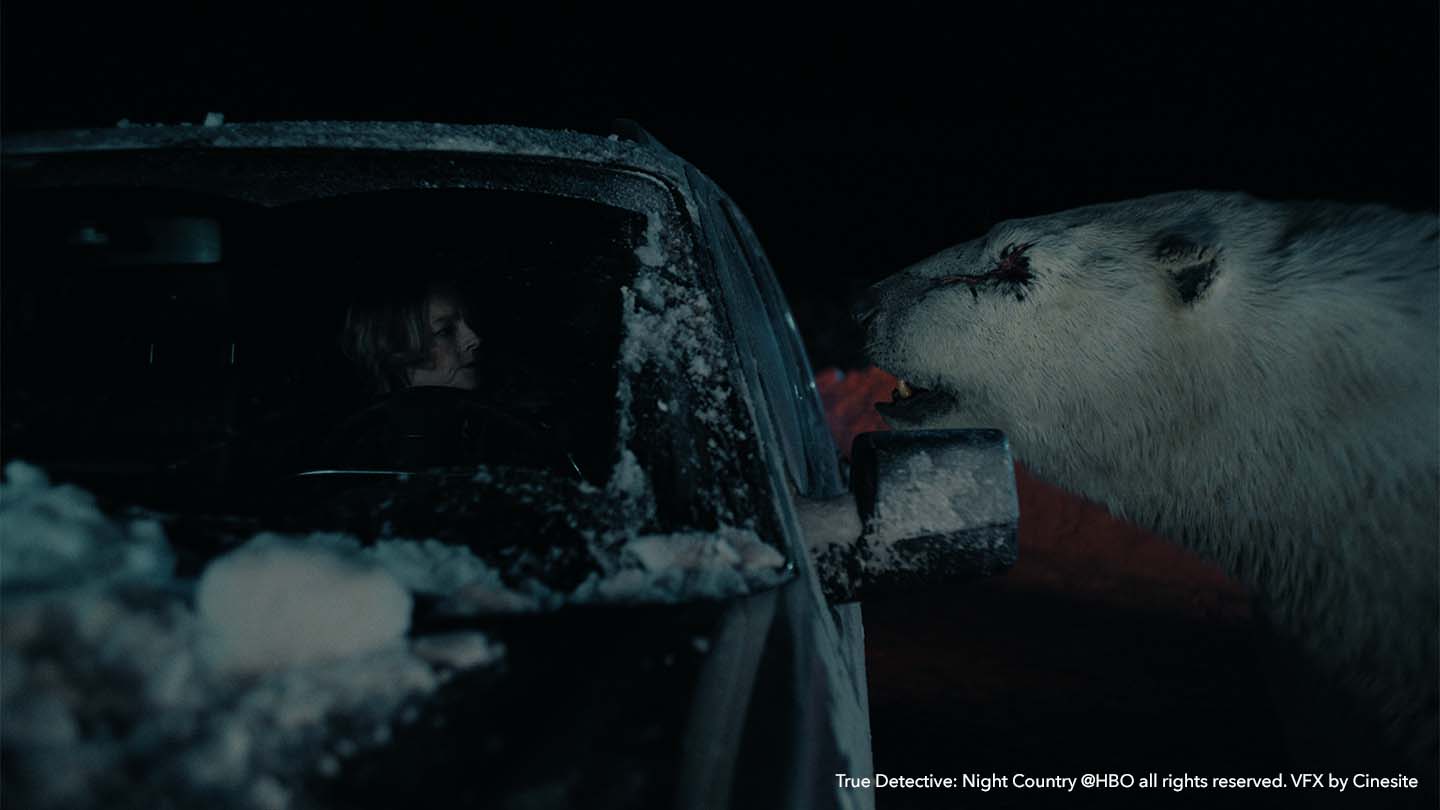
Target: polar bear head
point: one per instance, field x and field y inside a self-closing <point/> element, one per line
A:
<point x="1127" y="348"/>
<point x="1047" y="319"/>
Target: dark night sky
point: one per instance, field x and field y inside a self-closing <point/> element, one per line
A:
<point x="857" y="142"/>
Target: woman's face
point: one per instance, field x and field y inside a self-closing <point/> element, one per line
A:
<point x="452" y="357"/>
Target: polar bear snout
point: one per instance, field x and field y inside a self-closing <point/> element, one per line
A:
<point x="866" y="305"/>
<point x="901" y="289"/>
<point x="904" y="289"/>
<point x="888" y="313"/>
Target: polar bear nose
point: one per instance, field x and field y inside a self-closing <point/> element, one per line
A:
<point x="866" y="305"/>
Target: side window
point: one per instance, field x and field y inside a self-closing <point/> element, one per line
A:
<point x="775" y="357"/>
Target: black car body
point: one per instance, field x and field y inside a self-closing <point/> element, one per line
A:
<point x="630" y="317"/>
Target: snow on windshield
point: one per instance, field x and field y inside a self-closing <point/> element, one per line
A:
<point x="672" y="326"/>
<point x="117" y="692"/>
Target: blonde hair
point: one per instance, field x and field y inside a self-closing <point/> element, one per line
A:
<point x="387" y="332"/>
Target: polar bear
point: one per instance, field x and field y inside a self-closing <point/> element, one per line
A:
<point x="1256" y="380"/>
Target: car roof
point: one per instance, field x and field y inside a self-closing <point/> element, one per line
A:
<point x="615" y="151"/>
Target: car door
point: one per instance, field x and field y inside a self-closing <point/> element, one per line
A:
<point x="817" y="677"/>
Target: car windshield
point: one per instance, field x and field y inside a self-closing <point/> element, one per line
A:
<point x="172" y="348"/>
<point x="521" y="358"/>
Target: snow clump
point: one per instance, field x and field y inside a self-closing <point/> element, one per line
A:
<point x="116" y="692"/>
<point x="58" y="533"/>
<point x="280" y="601"/>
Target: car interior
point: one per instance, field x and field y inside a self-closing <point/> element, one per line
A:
<point x="176" y="349"/>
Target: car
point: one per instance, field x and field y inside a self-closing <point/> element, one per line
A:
<point x="674" y="556"/>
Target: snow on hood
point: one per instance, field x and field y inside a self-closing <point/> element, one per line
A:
<point x="121" y="685"/>
<point x="676" y="566"/>
<point x="634" y="568"/>
<point x="55" y="532"/>
<point x="278" y="602"/>
<point x="115" y="692"/>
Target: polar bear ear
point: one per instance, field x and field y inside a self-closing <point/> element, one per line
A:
<point x="1190" y="267"/>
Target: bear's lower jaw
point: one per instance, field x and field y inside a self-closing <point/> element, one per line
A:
<point x="923" y="406"/>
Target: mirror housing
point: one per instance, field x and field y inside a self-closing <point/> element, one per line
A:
<point x="928" y="507"/>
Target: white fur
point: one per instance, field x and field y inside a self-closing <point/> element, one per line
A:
<point x="1285" y="423"/>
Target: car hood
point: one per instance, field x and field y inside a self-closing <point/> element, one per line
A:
<point x="317" y="665"/>
<point x="587" y="707"/>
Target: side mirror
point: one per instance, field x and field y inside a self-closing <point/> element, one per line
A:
<point x="928" y="507"/>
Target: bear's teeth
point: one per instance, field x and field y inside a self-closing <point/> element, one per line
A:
<point x="902" y="390"/>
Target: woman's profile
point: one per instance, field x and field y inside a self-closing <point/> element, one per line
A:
<point x="414" y="344"/>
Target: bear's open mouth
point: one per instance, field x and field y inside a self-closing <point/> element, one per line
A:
<point x="911" y="403"/>
<point x="904" y="390"/>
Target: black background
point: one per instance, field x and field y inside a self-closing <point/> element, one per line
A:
<point x="857" y="141"/>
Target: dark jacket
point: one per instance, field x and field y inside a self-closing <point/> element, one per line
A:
<point x="428" y="427"/>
